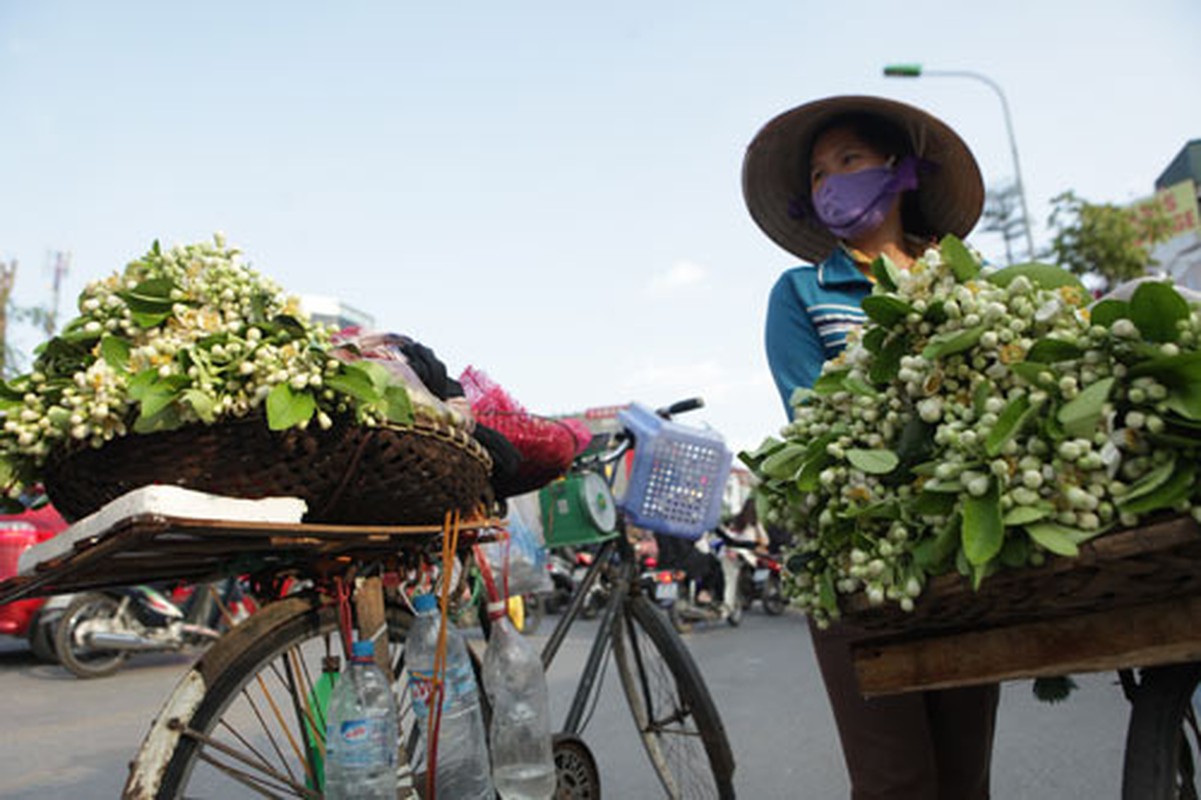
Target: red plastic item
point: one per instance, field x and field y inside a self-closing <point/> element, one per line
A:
<point x="547" y="446"/>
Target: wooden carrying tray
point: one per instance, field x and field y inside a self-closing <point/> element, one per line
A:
<point x="155" y="547"/>
<point x="1130" y="599"/>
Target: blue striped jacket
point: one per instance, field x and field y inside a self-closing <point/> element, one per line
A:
<point x="809" y="312"/>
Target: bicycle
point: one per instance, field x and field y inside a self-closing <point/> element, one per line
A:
<point x="677" y="720"/>
<point x="249" y="716"/>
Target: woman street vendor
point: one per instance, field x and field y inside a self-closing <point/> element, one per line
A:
<point x="839" y="182"/>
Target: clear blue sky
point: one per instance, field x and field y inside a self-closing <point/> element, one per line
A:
<point x="546" y="190"/>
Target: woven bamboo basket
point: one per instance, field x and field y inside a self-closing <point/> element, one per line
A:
<point x="348" y="474"/>
<point x="1156" y="561"/>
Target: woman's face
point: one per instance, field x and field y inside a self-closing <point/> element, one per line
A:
<point x="839" y="151"/>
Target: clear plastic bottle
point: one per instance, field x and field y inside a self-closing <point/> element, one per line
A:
<point x="523" y="763"/>
<point x="361" y="736"/>
<point x="462" y="759"/>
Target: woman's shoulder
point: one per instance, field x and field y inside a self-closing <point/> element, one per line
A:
<point x="797" y="278"/>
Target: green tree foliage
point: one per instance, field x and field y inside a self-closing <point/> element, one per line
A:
<point x="1106" y="240"/>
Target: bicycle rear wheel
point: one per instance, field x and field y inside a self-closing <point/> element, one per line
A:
<point x="248" y="720"/>
<point x="1163" y="742"/>
<point x="676" y="717"/>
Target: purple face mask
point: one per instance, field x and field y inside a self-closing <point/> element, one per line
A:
<point x="855" y="203"/>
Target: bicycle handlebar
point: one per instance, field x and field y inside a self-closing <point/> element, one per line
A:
<point x="680" y="407"/>
<point x="623" y="440"/>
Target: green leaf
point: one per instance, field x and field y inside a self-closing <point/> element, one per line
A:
<point x="1028" y="371"/>
<point x="886" y="309"/>
<point x="1170" y="369"/>
<point x="784" y="463"/>
<point x="1050" y="351"/>
<point x="354" y="382"/>
<point x="1155" y="308"/>
<point x="1008" y="425"/>
<point x="287" y="327"/>
<point x="825" y="590"/>
<point x="287" y="408"/>
<point x="856" y="385"/>
<point x="754" y="459"/>
<point x="115" y="351"/>
<point x="153" y="294"/>
<point x="959" y="258"/>
<point x="947" y="344"/>
<point x="943" y="487"/>
<point x="1165" y="495"/>
<point x="1185" y="400"/>
<point x="1059" y="539"/>
<point x="983" y="530"/>
<point x="1081" y="415"/>
<point x="934" y="504"/>
<point x="887" y="364"/>
<point x="160" y="394"/>
<point x="167" y="419"/>
<point x="932" y="553"/>
<point x="144" y="319"/>
<point x="830" y="381"/>
<point x="1044" y="276"/>
<point x="873" y="340"/>
<point x="201" y="403"/>
<point x="873" y="462"/>
<point x="1016" y="552"/>
<point x="1107" y="312"/>
<point x="809" y="478"/>
<point x="885" y="272"/>
<point x="379" y="375"/>
<point x="916" y="441"/>
<point x="1024" y="515"/>
<point x="398" y="408"/>
<point x="980" y="395"/>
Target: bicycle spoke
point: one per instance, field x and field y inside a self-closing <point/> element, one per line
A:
<point x="209" y="744"/>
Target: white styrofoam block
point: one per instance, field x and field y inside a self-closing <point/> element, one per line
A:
<point x="171" y="501"/>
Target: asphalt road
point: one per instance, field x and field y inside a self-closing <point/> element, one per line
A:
<point x="68" y="738"/>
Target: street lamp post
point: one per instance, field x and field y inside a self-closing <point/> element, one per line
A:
<point x="916" y="71"/>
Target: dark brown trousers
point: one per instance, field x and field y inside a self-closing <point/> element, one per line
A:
<point x="934" y="745"/>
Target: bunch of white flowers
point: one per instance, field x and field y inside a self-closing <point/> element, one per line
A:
<point x="980" y="421"/>
<point x="184" y="336"/>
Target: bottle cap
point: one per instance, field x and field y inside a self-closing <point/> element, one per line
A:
<point x="424" y="602"/>
<point x="363" y="649"/>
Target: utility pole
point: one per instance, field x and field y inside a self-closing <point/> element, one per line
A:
<point x="8" y="275"/>
<point x="60" y="262"/>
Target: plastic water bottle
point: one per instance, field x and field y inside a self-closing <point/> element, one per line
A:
<point x="361" y="737"/>
<point x="523" y="763"/>
<point x="462" y="758"/>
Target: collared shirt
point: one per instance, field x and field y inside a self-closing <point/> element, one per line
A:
<point x="809" y="312"/>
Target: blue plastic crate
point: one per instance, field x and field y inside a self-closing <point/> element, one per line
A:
<point x="678" y="475"/>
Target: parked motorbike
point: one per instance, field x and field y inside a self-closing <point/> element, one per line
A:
<point x="97" y="631"/>
<point x="561" y="566"/>
<point x="759" y="579"/>
<point x="746" y="576"/>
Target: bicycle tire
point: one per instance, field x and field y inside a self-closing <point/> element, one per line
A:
<point x="671" y="705"/>
<point x="213" y="708"/>
<point x="1162" y="740"/>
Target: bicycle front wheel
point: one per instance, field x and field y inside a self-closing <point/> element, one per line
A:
<point x="249" y="719"/>
<point x="1163" y="742"/>
<point x="676" y="717"/>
